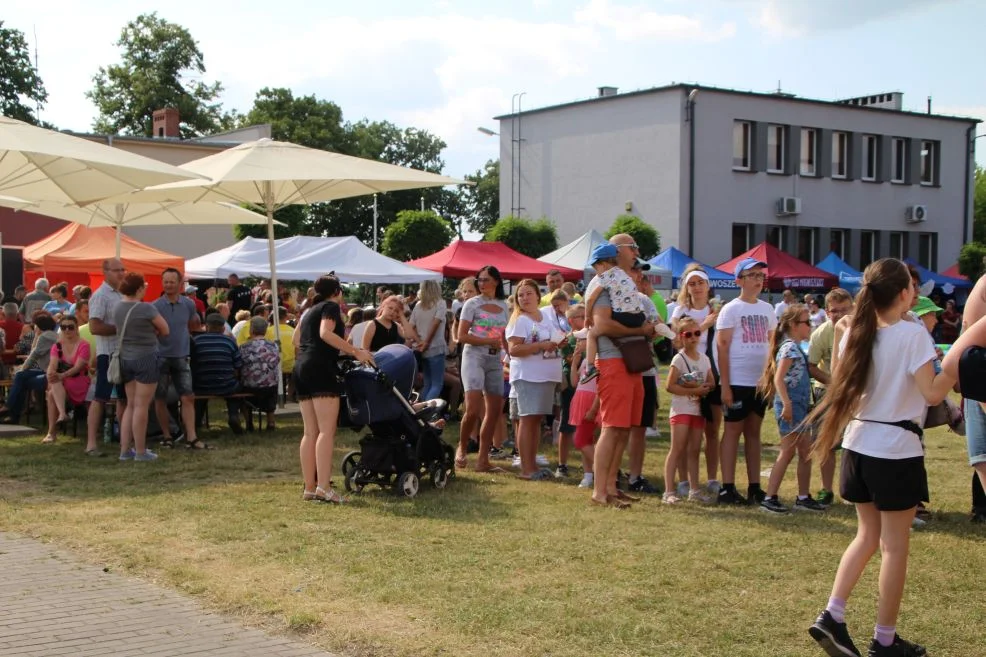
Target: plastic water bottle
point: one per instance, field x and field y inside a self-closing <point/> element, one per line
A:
<point x="108" y="430"/>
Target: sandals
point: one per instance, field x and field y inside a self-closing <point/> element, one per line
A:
<point x="197" y="445"/>
<point x="307" y="495"/>
<point x="49" y="439"/>
<point x="328" y="496"/>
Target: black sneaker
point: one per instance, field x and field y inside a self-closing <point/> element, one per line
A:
<point x="473" y="446"/>
<point x="809" y="504"/>
<point x="832" y="637"/>
<point x="825" y="497"/>
<point x="498" y="454"/>
<point x="641" y="485"/>
<point x="731" y="496"/>
<point x="773" y="505"/>
<point x="561" y="472"/>
<point x="899" y="648"/>
<point x="755" y="494"/>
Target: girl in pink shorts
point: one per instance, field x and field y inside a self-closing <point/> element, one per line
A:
<point x="583" y="412"/>
<point x="689" y="379"/>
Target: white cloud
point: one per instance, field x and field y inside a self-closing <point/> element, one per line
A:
<point x="794" y="18"/>
<point x="637" y="22"/>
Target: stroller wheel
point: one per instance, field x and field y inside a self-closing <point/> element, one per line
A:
<point x="349" y="464"/>
<point x="352" y="482"/>
<point x="439" y="476"/>
<point x="407" y="484"/>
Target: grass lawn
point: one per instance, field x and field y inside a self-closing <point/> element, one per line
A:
<point x="492" y="566"/>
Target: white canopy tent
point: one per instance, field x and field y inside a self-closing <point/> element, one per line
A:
<point x="306" y="258"/>
<point x="576" y="254"/>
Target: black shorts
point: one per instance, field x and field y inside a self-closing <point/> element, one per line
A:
<point x="650" y="402"/>
<point x="317" y="379"/>
<point x="745" y="401"/>
<point x="890" y="484"/>
<point x="566" y="402"/>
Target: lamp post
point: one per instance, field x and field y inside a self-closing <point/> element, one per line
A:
<point x="375" y="215"/>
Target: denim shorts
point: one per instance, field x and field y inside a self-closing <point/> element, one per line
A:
<point x="104" y="390"/>
<point x="975" y="431"/>
<point x="481" y="371"/>
<point x="177" y="371"/>
<point x="143" y="369"/>
<point x="799" y="411"/>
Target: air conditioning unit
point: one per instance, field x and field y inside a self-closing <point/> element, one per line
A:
<point x="916" y="214"/>
<point x="788" y="205"/>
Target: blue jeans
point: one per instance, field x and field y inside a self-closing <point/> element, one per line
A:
<point x="975" y="431"/>
<point x="24" y="381"/>
<point x="433" y="369"/>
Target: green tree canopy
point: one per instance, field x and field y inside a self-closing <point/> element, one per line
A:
<point x="979" y="207"/>
<point x="971" y="260"/>
<point x="415" y="234"/>
<point x="532" y="238"/>
<point x="158" y="67"/>
<point x="20" y="86"/>
<point x="645" y="235"/>
<point x="482" y="200"/>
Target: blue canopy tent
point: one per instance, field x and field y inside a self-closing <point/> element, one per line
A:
<point x="849" y="278"/>
<point x="940" y="280"/>
<point x="674" y="260"/>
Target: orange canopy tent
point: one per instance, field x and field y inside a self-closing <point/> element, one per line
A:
<point x="75" y="255"/>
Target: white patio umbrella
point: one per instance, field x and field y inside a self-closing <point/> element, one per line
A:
<point x="274" y="174"/>
<point x="118" y="215"/>
<point x="43" y="165"/>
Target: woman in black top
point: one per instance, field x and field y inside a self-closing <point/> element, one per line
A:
<point x="319" y="342"/>
<point x="387" y="327"/>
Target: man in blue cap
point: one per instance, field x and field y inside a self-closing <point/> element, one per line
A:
<point x="743" y="331"/>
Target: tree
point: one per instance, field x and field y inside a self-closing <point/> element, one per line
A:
<point x="979" y="207"/>
<point x="19" y="82"/>
<point x="303" y="120"/>
<point x="159" y="60"/>
<point x="532" y="238"/>
<point x="645" y="235"/>
<point x="415" y="234"/>
<point x="482" y="200"/>
<point x="972" y="260"/>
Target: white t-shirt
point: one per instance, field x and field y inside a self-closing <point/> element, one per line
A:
<point x="536" y="368"/>
<point x="423" y="319"/>
<point x="689" y="404"/>
<point x="650" y="311"/>
<point x="356" y="335"/>
<point x="817" y="319"/>
<point x="752" y="324"/>
<point x="699" y="316"/>
<point x="779" y="308"/>
<point x="891" y="394"/>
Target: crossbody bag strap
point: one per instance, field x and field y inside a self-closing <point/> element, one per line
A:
<point x="123" y="329"/>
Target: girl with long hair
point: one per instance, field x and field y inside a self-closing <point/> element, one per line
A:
<point x="788" y="381"/>
<point x="428" y="324"/>
<point x="319" y="343"/>
<point x="694" y="302"/>
<point x="880" y="390"/>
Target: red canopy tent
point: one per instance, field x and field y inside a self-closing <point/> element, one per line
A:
<point x="953" y="272"/>
<point x="783" y="269"/>
<point x="75" y="255"/>
<point x="461" y="259"/>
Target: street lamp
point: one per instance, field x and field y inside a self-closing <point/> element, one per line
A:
<point x="488" y="132"/>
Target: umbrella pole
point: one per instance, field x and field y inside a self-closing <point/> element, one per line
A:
<point x="119" y="227"/>
<point x="273" y="278"/>
<point x="117" y="231"/>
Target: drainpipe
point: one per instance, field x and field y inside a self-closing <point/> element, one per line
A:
<point x="690" y="117"/>
<point x="970" y="139"/>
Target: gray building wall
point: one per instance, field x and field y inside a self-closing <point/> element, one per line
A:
<point x="580" y="167"/>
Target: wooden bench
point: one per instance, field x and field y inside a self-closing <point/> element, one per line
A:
<point x="235" y="395"/>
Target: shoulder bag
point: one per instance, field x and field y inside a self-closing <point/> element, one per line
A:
<point x="637" y="355"/>
<point x="113" y="372"/>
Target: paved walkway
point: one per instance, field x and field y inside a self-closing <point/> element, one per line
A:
<point x="53" y="604"/>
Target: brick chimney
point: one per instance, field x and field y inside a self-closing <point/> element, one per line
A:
<point x="166" y="123"/>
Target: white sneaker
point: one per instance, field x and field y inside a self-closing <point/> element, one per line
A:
<point x="652" y="432"/>
<point x="587" y="480"/>
<point x="683" y="489"/>
<point x="541" y="460"/>
<point x="516" y="462"/>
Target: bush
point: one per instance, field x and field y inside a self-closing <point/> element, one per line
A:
<point x="971" y="260"/>
<point x="415" y="234"/>
<point x="532" y="238"/>
<point x="645" y="235"/>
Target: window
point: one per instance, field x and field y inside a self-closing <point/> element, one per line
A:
<point x="897" y="246"/>
<point x="840" y="154"/>
<point x="869" y="158"/>
<point x="898" y="159"/>
<point x="838" y="242"/>
<point x="806" y="244"/>
<point x="741" y="145"/>
<point x="809" y="152"/>
<point x="867" y="248"/>
<point x="776" y="147"/>
<point x="929" y="158"/>
<point x="927" y="251"/>
<point x="741" y="239"/>
<point x="777" y="236"/>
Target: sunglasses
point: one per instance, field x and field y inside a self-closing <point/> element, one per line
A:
<point x="754" y="274"/>
<point x="691" y="334"/>
<point x="67" y="327"/>
<point x="484" y="279"/>
<point x="803" y="321"/>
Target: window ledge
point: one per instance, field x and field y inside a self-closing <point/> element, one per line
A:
<point x="842" y="179"/>
<point x="743" y="170"/>
<point x="872" y="181"/>
<point x="777" y="172"/>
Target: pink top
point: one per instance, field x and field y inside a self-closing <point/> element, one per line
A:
<point x="81" y="353"/>
<point x="590" y="385"/>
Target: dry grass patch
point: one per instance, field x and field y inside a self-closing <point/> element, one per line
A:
<point x="492" y="566"/>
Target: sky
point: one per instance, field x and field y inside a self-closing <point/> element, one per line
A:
<point x="450" y="66"/>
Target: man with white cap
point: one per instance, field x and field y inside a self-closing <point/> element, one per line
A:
<point x="743" y="331"/>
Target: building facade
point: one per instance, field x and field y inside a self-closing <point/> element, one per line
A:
<point x="718" y="171"/>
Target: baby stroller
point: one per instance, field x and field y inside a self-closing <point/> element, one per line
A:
<point x="402" y="446"/>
